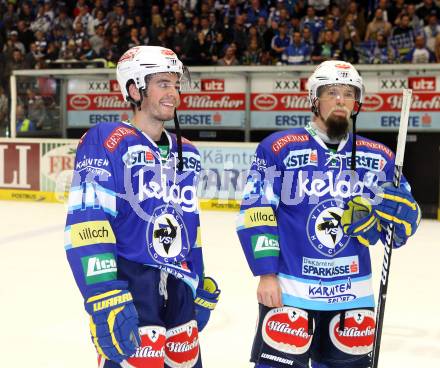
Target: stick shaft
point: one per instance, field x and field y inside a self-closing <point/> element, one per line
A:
<point x="388" y="249"/>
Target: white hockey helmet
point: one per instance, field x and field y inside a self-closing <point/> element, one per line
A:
<point x="334" y="72"/>
<point x="140" y="61"/>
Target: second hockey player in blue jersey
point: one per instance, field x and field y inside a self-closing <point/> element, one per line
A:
<point x="315" y="199"/>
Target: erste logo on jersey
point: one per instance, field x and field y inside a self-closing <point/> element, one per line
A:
<point x="301" y="158"/>
<point x="167" y="236"/>
<point x="368" y="160"/>
<point x="357" y="337"/>
<point x="286" y="329"/>
<point x="324" y="229"/>
<point x="138" y="155"/>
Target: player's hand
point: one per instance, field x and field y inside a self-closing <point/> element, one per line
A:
<point x="113" y="324"/>
<point x="358" y="221"/>
<point x="269" y="291"/>
<point x="399" y="208"/>
<point x="206" y="300"/>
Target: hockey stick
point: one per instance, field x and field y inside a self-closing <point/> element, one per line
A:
<point x="388" y="249"/>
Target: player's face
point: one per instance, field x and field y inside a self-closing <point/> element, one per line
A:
<point x="162" y="96"/>
<point x="336" y="102"/>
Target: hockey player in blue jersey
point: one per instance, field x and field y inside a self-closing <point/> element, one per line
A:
<point x="133" y="233"/>
<point x="315" y="199"/>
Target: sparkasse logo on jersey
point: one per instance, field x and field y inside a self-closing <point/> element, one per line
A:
<point x="300" y="158"/>
<point x="99" y="268"/>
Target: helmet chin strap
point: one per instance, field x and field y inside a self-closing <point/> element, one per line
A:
<point x="353" y="147"/>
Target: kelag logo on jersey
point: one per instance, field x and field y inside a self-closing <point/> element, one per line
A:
<point x="300" y="158"/>
<point x="138" y="155"/>
<point x="368" y="160"/>
<point x="324" y="229"/>
<point x="167" y="237"/>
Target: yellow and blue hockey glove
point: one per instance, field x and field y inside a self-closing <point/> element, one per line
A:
<point x="399" y="208"/>
<point x="358" y="221"/>
<point x="205" y="301"/>
<point x="114" y="324"/>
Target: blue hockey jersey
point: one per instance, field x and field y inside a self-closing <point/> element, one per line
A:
<point x="289" y="220"/>
<point x="126" y="200"/>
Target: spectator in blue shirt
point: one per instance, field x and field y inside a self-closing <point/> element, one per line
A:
<point x="296" y="53"/>
<point x="280" y="42"/>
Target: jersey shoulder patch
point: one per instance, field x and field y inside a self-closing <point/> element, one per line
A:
<point x="370" y="145"/>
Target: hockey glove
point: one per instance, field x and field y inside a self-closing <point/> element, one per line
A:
<point x="358" y="221"/>
<point x="399" y="208"/>
<point x="205" y="301"/>
<point x="114" y="324"/>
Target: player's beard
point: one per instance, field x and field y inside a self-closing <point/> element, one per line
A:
<point x="337" y="126"/>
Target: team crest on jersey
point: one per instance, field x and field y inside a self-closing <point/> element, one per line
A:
<point x="167" y="237"/>
<point x="324" y="229"/>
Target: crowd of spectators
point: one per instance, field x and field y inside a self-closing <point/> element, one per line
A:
<point x="41" y="33"/>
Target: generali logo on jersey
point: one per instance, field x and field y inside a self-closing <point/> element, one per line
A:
<point x="116" y="136"/>
<point x="15" y="166"/>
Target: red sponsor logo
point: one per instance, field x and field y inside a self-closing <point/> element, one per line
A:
<point x="265" y="102"/>
<point x="167" y="52"/>
<point x="422" y="83"/>
<point x="182" y="346"/>
<point x="20" y="166"/>
<point x="129" y="55"/>
<point x="286" y="329"/>
<point x="375" y="146"/>
<point x="213" y="102"/>
<point x="114" y="86"/>
<point x="280" y="102"/>
<point x="79" y="102"/>
<point x="342" y="66"/>
<point x="289" y="138"/>
<point x="358" y="334"/>
<point x="372" y="103"/>
<point x="212" y="85"/>
<point x="93" y="102"/>
<point x="303" y="84"/>
<point x="426" y="120"/>
<point x="151" y="353"/>
<point x="116" y="136"/>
